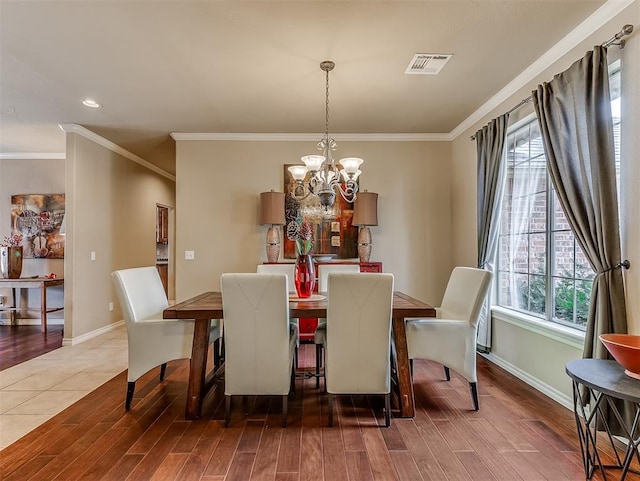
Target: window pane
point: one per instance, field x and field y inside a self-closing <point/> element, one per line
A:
<point x="537" y="253"/>
<point x="563" y="253"/>
<point x="538" y="213"/>
<point x="583" y="268"/>
<point x="504" y="289"/>
<point x="583" y="295"/>
<point x="560" y="221"/>
<point x="520" y="296"/>
<point x="506" y="219"/>
<point x="537" y="294"/>
<point x="520" y="251"/>
<point x="563" y="299"/>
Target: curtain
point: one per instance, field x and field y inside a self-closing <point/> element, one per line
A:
<point x="490" y="142"/>
<point x="574" y="112"/>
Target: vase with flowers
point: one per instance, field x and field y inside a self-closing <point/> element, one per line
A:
<point x="305" y="271"/>
<point x="11" y="256"/>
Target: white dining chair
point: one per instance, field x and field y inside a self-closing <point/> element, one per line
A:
<point x="289" y="270"/>
<point x="450" y="337"/>
<point x="320" y="334"/>
<point x="152" y="340"/>
<point x="358" y="337"/>
<point x="260" y="345"/>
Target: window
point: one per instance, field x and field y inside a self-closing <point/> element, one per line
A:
<point x="542" y="270"/>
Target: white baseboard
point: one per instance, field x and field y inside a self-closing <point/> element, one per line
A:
<point x="90" y="335"/>
<point x="532" y="381"/>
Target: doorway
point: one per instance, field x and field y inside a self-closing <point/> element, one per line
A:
<point x="162" y="245"/>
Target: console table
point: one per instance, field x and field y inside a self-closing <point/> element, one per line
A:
<point x="605" y="382"/>
<point x="41" y="283"/>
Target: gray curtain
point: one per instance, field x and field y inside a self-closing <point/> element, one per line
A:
<point x="490" y="142"/>
<point x="574" y="111"/>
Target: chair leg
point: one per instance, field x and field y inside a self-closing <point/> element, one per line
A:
<point x="163" y="371"/>
<point x="216" y="354"/>
<point x="292" y="381"/>
<point x="387" y="410"/>
<point x="318" y="364"/>
<point x="474" y="395"/>
<point x="285" y="404"/>
<point x="411" y="367"/>
<point x="131" y="386"/>
<point x="296" y="359"/>
<point x="447" y="374"/>
<point x="227" y="411"/>
<point x="330" y="406"/>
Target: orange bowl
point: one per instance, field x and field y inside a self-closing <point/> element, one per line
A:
<point x="625" y="348"/>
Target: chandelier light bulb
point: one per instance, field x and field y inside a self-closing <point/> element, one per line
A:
<point x="351" y="164"/>
<point x="313" y="162"/>
<point x="298" y="172"/>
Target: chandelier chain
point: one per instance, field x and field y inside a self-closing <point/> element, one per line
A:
<point x="326" y="119"/>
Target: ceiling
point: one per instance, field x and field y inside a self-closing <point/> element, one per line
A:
<point x="158" y="67"/>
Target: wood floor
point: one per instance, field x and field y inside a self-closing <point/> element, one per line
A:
<point x="518" y="434"/>
<point x="21" y="343"/>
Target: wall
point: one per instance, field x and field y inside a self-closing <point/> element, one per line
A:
<point x="111" y="204"/>
<point x="517" y="348"/>
<point x="217" y="199"/>
<point x="38" y="176"/>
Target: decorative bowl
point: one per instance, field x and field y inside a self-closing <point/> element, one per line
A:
<point x="625" y="348"/>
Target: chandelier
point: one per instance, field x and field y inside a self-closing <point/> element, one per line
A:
<point x="326" y="177"/>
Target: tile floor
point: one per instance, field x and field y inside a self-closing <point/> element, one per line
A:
<point x="36" y="390"/>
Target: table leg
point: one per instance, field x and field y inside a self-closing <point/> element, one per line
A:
<point x="407" y="408"/>
<point x="43" y="308"/>
<point x="14" y="307"/>
<point x="198" y="368"/>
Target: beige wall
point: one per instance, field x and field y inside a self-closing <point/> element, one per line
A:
<point x="111" y="203"/>
<point x="38" y="176"/>
<point x="217" y="200"/>
<point x="513" y="346"/>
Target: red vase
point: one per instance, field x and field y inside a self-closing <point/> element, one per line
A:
<point x="305" y="275"/>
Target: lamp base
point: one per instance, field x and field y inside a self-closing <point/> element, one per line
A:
<point x="364" y="244"/>
<point x="273" y="244"/>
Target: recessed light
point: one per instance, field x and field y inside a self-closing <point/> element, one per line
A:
<point x="91" y="103"/>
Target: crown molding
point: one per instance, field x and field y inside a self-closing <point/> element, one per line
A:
<point x="589" y="26"/>
<point x="107" y="144"/>
<point x="33" y="155"/>
<point x="312" y="137"/>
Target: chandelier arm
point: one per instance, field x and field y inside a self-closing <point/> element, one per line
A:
<point x="301" y="197"/>
<point x="349" y="192"/>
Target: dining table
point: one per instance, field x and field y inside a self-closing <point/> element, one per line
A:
<point x="208" y="305"/>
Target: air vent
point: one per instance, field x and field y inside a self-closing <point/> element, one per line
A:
<point x="427" y="63"/>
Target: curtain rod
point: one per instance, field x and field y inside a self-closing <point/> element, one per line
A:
<point x="617" y="39"/>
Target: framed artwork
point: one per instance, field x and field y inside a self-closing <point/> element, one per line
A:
<point x="38" y="218"/>
<point x="333" y="234"/>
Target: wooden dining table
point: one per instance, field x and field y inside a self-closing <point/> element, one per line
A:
<point x="208" y="305"/>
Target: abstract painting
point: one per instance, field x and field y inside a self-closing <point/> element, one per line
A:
<point x="38" y="218"/>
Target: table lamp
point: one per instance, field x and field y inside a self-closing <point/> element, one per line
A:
<point x="365" y="214"/>
<point x="272" y="213"/>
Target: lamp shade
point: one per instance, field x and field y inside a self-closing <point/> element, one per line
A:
<point x="272" y="208"/>
<point x="366" y="209"/>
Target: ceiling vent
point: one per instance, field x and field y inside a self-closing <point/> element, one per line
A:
<point x="427" y="63"/>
